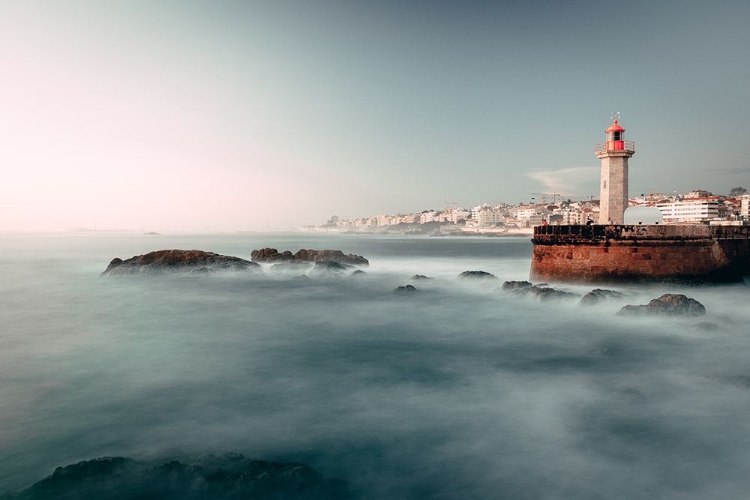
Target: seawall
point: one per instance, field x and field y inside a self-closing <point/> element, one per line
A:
<point x="638" y="253"/>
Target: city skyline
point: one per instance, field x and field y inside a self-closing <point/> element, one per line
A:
<point x="193" y="116"/>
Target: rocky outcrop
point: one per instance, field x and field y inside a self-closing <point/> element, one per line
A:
<point x="179" y="261"/>
<point x="597" y="295"/>
<point x="308" y="255"/>
<point x="669" y="304"/>
<point x="516" y="285"/>
<point x="210" y="478"/>
<point x="270" y="255"/>
<point x="419" y="277"/>
<point x="544" y="293"/>
<point x="477" y="275"/>
<point x="358" y="272"/>
<point x="405" y="289"/>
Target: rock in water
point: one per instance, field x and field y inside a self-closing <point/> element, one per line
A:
<point x="270" y="255"/>
<point x="211" y="478"/>
<point x="181" y="261"/>
<point x="597" y="295"/>
<point x="477" y="275"/>
<point x="328" y="268"/>
<point x="405" y="289"/>
<point x="308" y="255"/>
<point x="544" y="293"/>
<point x="418" y="277"/>
<point x="516" y="285"/>
<point x="669" y="304"/>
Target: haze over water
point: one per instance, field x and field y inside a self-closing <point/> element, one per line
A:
<point x="458" y="391"/>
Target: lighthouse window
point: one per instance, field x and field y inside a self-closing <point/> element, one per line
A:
<point x="616" y="135"/>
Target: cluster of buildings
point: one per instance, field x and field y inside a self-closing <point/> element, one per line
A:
<point x="695" y="207"/>
<point x="614" y="206"/>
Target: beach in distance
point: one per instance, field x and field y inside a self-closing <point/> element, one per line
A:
<point x="457" y="389"/>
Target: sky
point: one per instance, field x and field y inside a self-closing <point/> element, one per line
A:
<point x="269" y="115"/>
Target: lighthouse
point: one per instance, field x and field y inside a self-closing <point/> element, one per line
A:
<point x="613" y="190"/>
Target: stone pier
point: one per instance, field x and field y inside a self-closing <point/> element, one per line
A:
<point x="640" y="253"/>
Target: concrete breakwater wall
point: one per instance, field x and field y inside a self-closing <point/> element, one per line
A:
<point x="638" y="253"/>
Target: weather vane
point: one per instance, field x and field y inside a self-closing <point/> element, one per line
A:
<point x="615" y="115"/>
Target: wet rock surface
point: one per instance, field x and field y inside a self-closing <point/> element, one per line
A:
<point x="231" y="476"/>
<point x="308" y="255"/>
<point x="179" y="261"/>
<point x="669" y="304"/>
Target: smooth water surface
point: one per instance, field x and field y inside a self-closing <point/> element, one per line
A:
<point x="460" y="390"/>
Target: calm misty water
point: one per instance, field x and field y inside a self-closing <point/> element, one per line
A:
<point x="459" y="391"/>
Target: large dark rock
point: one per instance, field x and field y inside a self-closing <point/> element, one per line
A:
<point x="181" y="261"/>
<point x="308" y="255"/>
<point x="599" y="294"/>
<point x="669" y="304"/>
<point x="231" y="476"/>
<point x="544" y="293"/>
<point x="477" y="275"/>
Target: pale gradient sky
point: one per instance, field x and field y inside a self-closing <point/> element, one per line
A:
<point x="231" y="115"/>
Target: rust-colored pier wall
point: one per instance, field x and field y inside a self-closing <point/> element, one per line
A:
<point x="638" y="253"/>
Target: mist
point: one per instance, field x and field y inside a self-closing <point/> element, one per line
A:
<point x="460" y="390"/>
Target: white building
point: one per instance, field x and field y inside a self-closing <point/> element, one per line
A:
<point x="745" y="206"/>
<point x="688" y="211"/>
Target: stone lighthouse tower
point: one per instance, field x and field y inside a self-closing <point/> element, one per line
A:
<point x="613" y="191"/>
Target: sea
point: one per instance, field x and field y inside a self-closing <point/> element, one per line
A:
<point x="460" y="390"/>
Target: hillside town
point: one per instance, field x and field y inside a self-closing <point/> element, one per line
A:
<point x="696" y="207"/>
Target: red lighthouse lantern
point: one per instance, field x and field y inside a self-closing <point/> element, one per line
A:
<point x="615" y="140"/>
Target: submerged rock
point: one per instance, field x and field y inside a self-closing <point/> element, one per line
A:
<point x="544" y="293"/>
<point x="418" y="277"/>
<point x="597" y="295"/>
<point x="308" y="255"/>
<point x="231" y="476"/>
<point x="477" y="275"/>
<point x="405" y="289"/>
<point x="181" y="261"/>
<point x="328" y="268"/>
<point x="359" y="272"/>
<point x="291" y="266"/>
<point x="669" y="304"/>
<point x="516" y="285"/>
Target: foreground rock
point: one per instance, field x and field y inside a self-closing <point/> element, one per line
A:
<point x="477" y="275"/>
<point x="210" y="478"/>
<point x="308" y="255"/>
<point x="180" y="261"/>
<point x="544" y="293"/>
<point x="669" y="304"/>
<point x="599" y="294"/>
